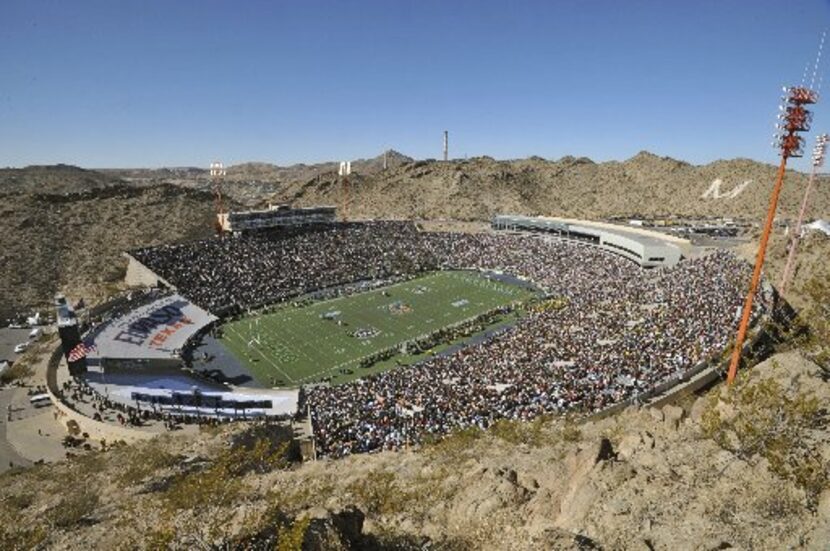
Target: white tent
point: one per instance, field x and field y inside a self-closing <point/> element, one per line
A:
<point x="820" y="225"/>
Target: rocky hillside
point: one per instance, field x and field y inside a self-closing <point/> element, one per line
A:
<point x="475" y="189"/>
<point x="72" y="241"/>
<point x="52" y="179"/>
<point x="645" y="185"/>
<point x="255" y="182"/>
<point x="105" y="210"/>
<point x="743" y="469"/>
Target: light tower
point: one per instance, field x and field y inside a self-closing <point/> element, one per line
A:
<point x="819" y="152"/>
<point x="344" y="172"/>
<point x="794" y="118"/>
<point x="217" y="172"/>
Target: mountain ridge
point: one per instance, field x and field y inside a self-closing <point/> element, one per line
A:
<point x="100" y="213"/>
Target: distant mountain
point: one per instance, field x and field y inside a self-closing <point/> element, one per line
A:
<point x="394" y="159"/>
<point x="72" y="239"/>
<point x="53" y="179"/>
<point x="258" y="171"/>
<point x="66" y="224"/>
<point x="645" y="185"/>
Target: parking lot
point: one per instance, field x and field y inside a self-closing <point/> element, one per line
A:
<point x="9" y="338"/>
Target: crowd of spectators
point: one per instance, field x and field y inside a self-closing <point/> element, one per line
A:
<point x="621" y="330"/>
<point x="252" y="270"/>
<point x="82" y="394"/>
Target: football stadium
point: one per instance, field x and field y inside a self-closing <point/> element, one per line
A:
<point x="380" y="334"/>
<point x="347" y="337"/>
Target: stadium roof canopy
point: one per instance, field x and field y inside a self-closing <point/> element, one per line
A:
<point x="648" y="249"/>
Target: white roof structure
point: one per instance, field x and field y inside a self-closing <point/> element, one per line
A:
<point x="157" y="330"/>
<point x="646" y="248"/>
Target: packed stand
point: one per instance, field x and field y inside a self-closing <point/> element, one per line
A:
<point x="622" y="330"/>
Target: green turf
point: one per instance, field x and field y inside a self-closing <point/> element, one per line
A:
<point x="296" y="345"/>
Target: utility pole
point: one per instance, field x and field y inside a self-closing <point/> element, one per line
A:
<point x="446" y="144"/>
<point x="794" y="119"/>
<point x="818" y="160"/>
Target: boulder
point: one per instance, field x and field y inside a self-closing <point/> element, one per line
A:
<point x="582" y="493"/>
<point x="698" y="409"/>
<point x="554" y="538"/>
<point x="629" y="445"/>
<point x="328" y="530"/>
<point x="656" y="414"/>
<point x="673" y="415"/>
<point x="823" y="509"/>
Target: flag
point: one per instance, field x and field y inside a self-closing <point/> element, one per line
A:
<point x="80" y="351"/>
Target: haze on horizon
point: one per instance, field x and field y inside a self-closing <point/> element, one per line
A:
<point x="151" y="84"/>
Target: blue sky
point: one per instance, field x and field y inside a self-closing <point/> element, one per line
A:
<point x="175" y="82"/>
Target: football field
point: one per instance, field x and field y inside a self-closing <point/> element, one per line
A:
<point x="330" y="338"/>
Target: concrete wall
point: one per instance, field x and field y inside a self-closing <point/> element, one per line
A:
<point x="668" y="252"/>
<point x="139" y="275"/>
<point x="637" y="230"/>
<point x="96" y="430"/>
<point x="638" y="246"/>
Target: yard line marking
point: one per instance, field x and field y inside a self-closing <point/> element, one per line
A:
<point x="266" y="358"/>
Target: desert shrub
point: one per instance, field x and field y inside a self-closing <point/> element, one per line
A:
<point x="261" y="449"/>
<point x="378" y="493"/>
<point x="778" y="505"/>
<point x="73" y="509"/>
<point x="19" y="501"/>
<point x="160" y="538"/>
<point x="20" y="370"/>
<point x="458" y="442"/>
<point x="15" y="532"/>
<point x="139" y="462"/>
<point x="218" y="483"/>
<point x="760" y="418"/>
<point x="532" y="433"/>
<point x="309" y="493"/>
<point x="292" y="538"/>
<point x="15" y="537"/>
<point x="817" y="319"/>
<point x="571" y="432"/>
<point x="269" y="528"/>
<point x="209" y="487"/>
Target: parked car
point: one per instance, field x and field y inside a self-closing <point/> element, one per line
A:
<point x="21" y="348"/>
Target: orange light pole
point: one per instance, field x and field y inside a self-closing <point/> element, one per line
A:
<point x="795" y="118"/>
<point x="818" y="160"/>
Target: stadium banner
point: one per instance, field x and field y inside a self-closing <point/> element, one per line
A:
<point x="157" y="330"/>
